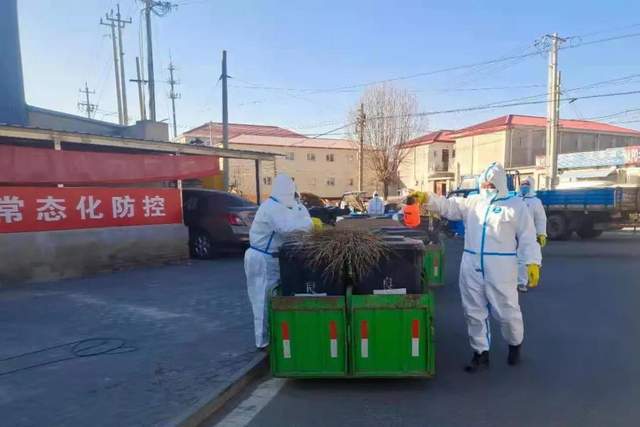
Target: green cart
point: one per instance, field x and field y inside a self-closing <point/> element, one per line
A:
<point x="351" y="336"/>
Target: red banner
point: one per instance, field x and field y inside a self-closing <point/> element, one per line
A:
<point x="25" y="165"/>
<point x="24" y="209"/>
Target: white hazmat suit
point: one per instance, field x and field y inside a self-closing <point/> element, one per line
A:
<point x="375" y="207"/>
<point x="497" y="227"/>
<point x="539" y="216"/>
<point x="277" y="216"/>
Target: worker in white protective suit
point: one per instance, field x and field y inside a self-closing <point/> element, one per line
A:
<point x="375" y="206"/>
<point x="277" y="216"/>
<point x="497" y="227"/>
<point x="539" y="216"/>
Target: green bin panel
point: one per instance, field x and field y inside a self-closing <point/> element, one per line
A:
<point x="392" y="335"/>
<point x="433" y="265"/>
<point x="308" y="336"/>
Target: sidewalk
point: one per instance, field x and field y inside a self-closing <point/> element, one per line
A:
<point x="170" y="335"/>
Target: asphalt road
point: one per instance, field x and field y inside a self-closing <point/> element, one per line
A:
<point x="185" y="329"/>
<point x="581" y="364"/>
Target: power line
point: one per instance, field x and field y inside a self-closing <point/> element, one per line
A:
<point x="332" y="130"/>
<point x="443" y="70"/>
<point x="619" y="113"/>
<point x="491" y="107"/>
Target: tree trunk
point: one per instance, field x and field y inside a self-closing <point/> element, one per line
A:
<point x="385" y="189"/>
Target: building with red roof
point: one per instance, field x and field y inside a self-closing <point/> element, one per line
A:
<point x="213" y="131"/>
<point x="322" y="166"/>
<point x="426" y="163"/>
<point x="519" y="143"/>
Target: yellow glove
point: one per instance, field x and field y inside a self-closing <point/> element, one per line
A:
<point x="420" y="196"/>
<point x="542" y="240"/>
<point x="533" y="271"/>
<point x="317" y="224"/>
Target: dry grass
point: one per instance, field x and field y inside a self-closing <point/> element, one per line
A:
<point x="340" y="252"/>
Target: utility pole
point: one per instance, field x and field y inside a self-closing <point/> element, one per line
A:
<point x="553" y="111"/>
<point x="112" y="25"/>
<point x="87" y="106"/>
<point x="173" y="96"/>
<point x="120" y="24"/>
<point x="159" y="8"/>
<point x="140" y="81"/>
<point x="225" y="119"/>
<point x="361" y="124"/>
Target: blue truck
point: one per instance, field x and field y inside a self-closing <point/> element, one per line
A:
<point x="586" y="211"/>
<point x="589" y="211"/>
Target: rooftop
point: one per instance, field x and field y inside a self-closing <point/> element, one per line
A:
<point x="299" y="142"/>
<point x="214" y="129"/>
<point x="430" y="138"/>
<point x="513" y="120"/>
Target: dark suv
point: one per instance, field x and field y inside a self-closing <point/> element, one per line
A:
<point x="218" y="222"/>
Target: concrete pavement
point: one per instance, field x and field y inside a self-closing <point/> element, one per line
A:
<point x="183" y="332"/>
<point x="580" y="365"/>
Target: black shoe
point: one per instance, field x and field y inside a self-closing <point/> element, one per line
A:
<point x="514" y="355"/>
<point x="479" y="362"/>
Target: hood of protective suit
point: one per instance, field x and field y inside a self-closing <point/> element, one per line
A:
<point x="532" y="185"/>
<point x="284" y="190"/>
<point x="495" y="174"/>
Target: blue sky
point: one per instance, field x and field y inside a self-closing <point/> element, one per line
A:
<point x="282" y="53"/>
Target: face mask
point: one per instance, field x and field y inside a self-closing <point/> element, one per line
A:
<point x="488" y="193"/>
<point x="525" y="189"/>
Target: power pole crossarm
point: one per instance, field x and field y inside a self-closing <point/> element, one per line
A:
<point x="87" y="106"/>
<point x="120" y="24"/>
<point x="112" y="25"/>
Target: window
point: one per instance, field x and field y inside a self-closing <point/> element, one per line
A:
<point x="351" y="182"/>
<point x="331" y="182"/>
<point x="290" y="156"/>
<point x="266" y="180"/>
<point x="311" y="156"/>
<point x="330" y="157"/>
<point x="587" y="142"/>
<point x="568" y="143"/>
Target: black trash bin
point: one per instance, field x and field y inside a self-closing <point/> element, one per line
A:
<point x="401" y="269"/>
<point x="297" y="278"/>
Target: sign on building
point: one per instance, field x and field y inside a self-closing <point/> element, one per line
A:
<point x="632" y="155"/>
<point x="24" y="209"/>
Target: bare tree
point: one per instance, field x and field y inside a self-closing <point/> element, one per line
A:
<point x="390" y="122"/>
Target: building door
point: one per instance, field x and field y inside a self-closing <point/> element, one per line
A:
<point x="440" y="188"/>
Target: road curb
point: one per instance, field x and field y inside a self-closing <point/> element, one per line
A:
<point x="209" y="404"/>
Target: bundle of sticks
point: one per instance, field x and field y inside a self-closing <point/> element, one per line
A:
<point x="343" y="254"/>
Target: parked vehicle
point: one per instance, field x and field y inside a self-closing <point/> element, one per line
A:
<point x="589" y="211"/>
<point x="218" y="222"/>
